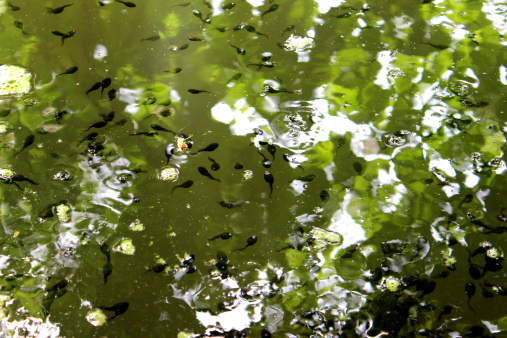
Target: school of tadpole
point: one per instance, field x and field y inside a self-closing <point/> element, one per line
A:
<point x="206" y="169"/>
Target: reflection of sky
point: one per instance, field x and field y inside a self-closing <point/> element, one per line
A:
<point x="326" y="5"/>
<point x="240" y="314"/>
<point x="344" y="224"/>
<point x="495" y="11"/>
<point x="100" y="52"/>
<point x="236" y="319"/>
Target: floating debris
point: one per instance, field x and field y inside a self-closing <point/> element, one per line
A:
<point x="96" y="317"/>
<point x="136" y="225"/>
<point x="62" y="211"/>
<point x="321" y="238"/>
<point x="247" y="174"/>
<point x="6" y="174"/>
<point x="125" y="247"/>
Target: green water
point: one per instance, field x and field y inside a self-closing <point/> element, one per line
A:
<point x="361" y="181"/>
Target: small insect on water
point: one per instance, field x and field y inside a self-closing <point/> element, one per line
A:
<point x="181" y="144"/>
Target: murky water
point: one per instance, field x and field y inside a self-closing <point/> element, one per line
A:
<point x="246" y="169"/>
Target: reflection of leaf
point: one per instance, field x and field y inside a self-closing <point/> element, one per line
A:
<point x="157" y="88"/>
<point x="321" y="155"/>
<point x="295" y="258"/>
<point x="293" y="300"/>
<point x="29" y="302"/>
<point x="173" y="24"/>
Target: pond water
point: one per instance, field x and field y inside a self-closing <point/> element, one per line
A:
<point x="253" y="169"/>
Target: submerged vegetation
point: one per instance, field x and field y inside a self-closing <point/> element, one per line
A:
<point x="287" y="168"/>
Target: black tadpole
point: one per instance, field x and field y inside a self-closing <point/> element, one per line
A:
<point x="429" y="288"/>
<point x="99" y="124"/>
<point x="28" y="142"/>
<point x="272" y="8"/>
<point x="235" y="77"/>
<point x="152" y="38"/>
<point x="185" y="185"/>
<point x="307" y="178"/>
<point x="144" y="133"/>
<point x="108" y="117"/>
<point x="229" y="205"/>
<point x="265" y="333"/>
<point x="118" y="123"/>
<point x="106" y="250"/>
<point x="272" y="150"/>
<point x="95" y="86"/>
<point x="268" y="177"/>
<point x="127" y="3"/>
<point x="288" y="29"/>
<point x="475" y="331"/>
<point x="58" y="10"/>
<point x="21" y="178"/>
<point x="187" y="261"/>
<point x="111" y="94"/>
<point x="485" y="292"/>
<point x="240" y="51"/>
<point x="209" y="147"/>
<point x="158" y="268"/>
<point x="214" y="166"/>
<point x="118" y="309"/>
<point x="249" y="242"/>
<point x="474" y="272"/>
<point x="191" y="269"/>
<point x="222" y="257"/>
<point x="223" y="235"/>
<point x="445" y="311"/>
<point x="13" y="8"/>
<point x="160" y="128"/>
<point x="265" y="163"/>
<point x="203" y="171"/>
<point x="107" y="269"/>
<point x="470" y="291"/>
<point x="64" y="35"/>
<point x="197" y="91"/>
<point x="324" y="196"/>
<point x="70" y="70"/>
<point x="104" y="84"/>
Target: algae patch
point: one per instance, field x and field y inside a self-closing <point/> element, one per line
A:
<point x="15" y="81"/>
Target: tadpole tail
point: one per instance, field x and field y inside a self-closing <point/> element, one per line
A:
<point x="470" y="306"/>
<point x="30" y="181"/>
